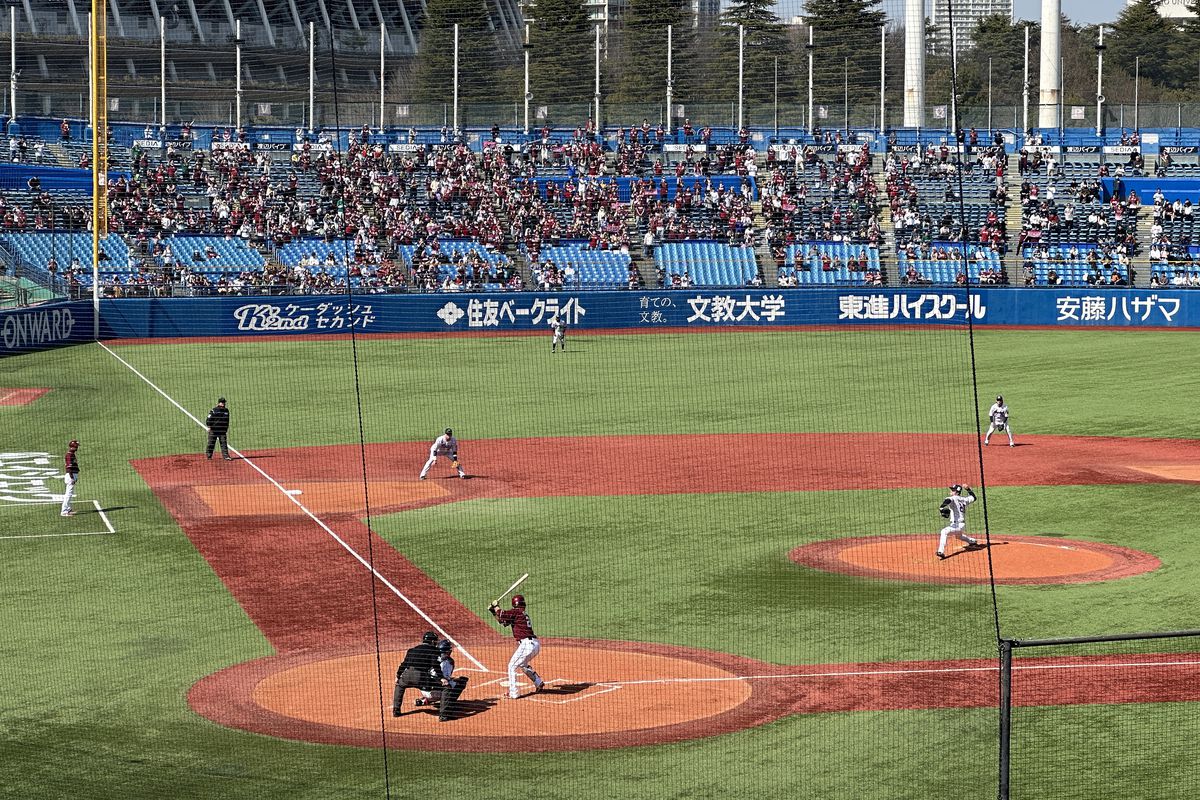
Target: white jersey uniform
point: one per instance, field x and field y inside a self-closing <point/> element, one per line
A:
<point x="445" y="446"/>
<point x="957" y="503"/>
<point x="998" y="421"/>
<point x="559" y="330"/>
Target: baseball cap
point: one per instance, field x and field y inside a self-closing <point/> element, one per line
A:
<point x="956" y="487"/>
<point x="220" y="399"/>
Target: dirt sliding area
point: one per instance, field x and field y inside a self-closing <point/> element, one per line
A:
<point x="293" y="556"/>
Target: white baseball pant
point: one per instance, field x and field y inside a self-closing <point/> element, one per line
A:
<point x="957" y="529"/>
<point x="66" y="503"/>
<point x="993" y="427"/>
<point x="433" y="457"/>
<point x="527" y="650"/>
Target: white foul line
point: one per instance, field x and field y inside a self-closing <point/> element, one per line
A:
<point x="307" y="513"/>
<point x="5" y="397"/>
<point x="861" y="673"/>
<point x="104" y="517"/>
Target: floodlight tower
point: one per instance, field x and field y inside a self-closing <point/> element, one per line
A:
<point x="914" y="63"/>
<point x="1051" y="71"/>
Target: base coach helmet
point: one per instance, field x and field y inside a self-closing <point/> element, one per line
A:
<point x="518" y="601"/>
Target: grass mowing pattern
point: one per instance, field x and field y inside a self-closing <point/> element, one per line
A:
<point x="106" y="634"/>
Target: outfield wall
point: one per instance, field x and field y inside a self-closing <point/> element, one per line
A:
<point x="69" y="323"/>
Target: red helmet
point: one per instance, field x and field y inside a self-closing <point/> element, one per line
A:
<point x="73" y="444"/>
<point x="518" y="601"/>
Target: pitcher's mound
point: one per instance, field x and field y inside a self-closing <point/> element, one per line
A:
<point x="1014" y="559"/>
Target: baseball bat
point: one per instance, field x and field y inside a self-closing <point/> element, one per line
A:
<point x="509" y="590"/>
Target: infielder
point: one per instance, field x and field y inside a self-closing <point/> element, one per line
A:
<point x="559" y="329"/>
<point x="444" y="445"/>
<point x="71" y="474"/>
<point x="527" y="644"/>
<point x="998" y="421"/>
<point x="954" y="508"/>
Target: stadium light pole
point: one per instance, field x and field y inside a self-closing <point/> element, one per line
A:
<point x="162" y="76"/>
<point x="1025" y="88"/>
<point x="597" y="80"/>
<point x="312" y="74"/>
<point x="237" y="94"/>
<point x="1100" y="84"/>
<point x="382" y="71"/>
<point x="914" y="64"/>
<point x="12" y="69"/>
<point x="528" y="94"/>
<point x="846" y="97"/>
<point x="670" y="74"/>
<point x="989" y="98"/>
<point x="741" y="75"/>
<point x="811" y="124"/>
<point x="882" y="78"/>
<point x="455" y="80"/>
<point x="1137" y="85"/>
<point x="1051" y="55"/>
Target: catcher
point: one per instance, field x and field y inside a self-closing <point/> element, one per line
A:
<point x="954" y="509"/>
<point x="451" y="687"/>
<point x="445" y="445"/>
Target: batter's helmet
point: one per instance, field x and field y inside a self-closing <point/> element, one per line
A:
<point x="429" y="638"/>
<point x="73" y="444"/>
<point x="518" y="601"/>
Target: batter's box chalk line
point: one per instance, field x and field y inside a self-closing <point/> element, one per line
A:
<point x="591" y="690"/>
<point x="108" y="526"/>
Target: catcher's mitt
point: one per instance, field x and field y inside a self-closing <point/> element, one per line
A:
<point x="945" y="511"/>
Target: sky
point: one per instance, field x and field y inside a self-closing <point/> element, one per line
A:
<point x="1086" y="13"/>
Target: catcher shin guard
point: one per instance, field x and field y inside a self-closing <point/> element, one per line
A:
<point x="450" y="696"/>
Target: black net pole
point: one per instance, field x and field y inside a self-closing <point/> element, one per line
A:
<point x="1005" y="717"/>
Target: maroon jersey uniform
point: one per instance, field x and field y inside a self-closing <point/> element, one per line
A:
<point x="522" y="628"/>
<point x="71" y="463"/>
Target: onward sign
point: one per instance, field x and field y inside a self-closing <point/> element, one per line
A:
<point x="34" y="330"/>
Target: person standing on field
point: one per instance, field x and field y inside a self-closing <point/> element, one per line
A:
<point x="954" y="508"/>
<point x="998" y="421"/>
<point x="445" y="445"/>
<point x="559" y="339"/>
<point x="71" y="474"/>
<point x="217" y="423"/>
<point x="528" y="646"/>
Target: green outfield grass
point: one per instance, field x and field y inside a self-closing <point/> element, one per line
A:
<point x="106" y="633"/>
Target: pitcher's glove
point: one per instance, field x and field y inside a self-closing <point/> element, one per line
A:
<point x="945" y="511"/>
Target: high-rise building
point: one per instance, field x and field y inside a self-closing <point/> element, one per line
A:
<point x="967" y="14"/>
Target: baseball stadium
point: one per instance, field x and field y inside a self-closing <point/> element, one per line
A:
<point x="587" y="400"/>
